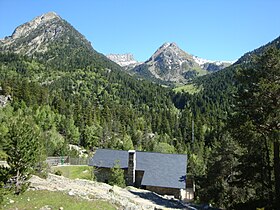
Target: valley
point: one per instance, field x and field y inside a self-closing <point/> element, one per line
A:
<point x="59" y="91"/>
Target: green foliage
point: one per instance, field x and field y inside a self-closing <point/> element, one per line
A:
<point x="23" y="147"/>
<point x="127" y="143"/>
<point x="4" y="177"/>
<point x="3" y="155"/>
<point x="72" y="94"/>
<point x="164" y="148"/>
<point x="255" y="125"/>
<point x="217" y="186"/>
<point x="189" y="88"/>
<point x="58" y="172"/>
<point x="117" y="176"/>
<point x="92" y="135"/>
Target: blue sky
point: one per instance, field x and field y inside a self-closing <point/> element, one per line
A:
<point x="211" y="29"/>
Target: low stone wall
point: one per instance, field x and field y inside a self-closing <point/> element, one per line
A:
<point x="165" y="191"/>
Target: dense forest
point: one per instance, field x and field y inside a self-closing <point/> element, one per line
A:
<point x="229" y="129"/>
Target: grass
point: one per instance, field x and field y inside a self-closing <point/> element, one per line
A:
<point x="189" y="88"/>
<point x="74" y="172"/>
<point x="54" y="200"/>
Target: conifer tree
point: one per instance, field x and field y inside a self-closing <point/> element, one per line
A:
<point x="117" y="176"/>
<point x="23" y="147"/>
<point x="258" y="112"/>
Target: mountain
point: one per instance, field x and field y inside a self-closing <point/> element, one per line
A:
<point x="211" y="66"/>
<point x="123" y="59"/>
<point x="173" y="65"/>
<point x="51" y="39"/>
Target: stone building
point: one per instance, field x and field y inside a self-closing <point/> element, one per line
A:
<point x="164" y="174"/>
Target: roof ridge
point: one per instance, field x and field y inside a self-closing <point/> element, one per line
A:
<point x="140" y="151"/>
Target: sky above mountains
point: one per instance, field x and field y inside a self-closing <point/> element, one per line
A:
<point x="215" y="30"/>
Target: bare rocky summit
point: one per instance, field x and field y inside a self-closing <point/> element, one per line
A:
<point x="34" y="36"/>
<point x="172" y="64"/>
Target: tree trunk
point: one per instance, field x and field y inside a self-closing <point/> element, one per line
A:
<point x="277" y="173"/>
<point x="269" y="171"/>
<point x="17" y="190"/>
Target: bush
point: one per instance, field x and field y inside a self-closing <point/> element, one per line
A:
<point x="117" y="176"/>
<point x="58" y="173"/>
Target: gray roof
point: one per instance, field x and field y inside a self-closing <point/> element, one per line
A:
<point x="161" y="170"/>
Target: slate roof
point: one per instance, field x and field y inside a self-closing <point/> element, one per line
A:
<point x="160" y="170"/>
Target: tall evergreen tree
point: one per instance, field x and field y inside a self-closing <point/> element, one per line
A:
<point x="258" y="112"/>
<point x="23" y="147"/>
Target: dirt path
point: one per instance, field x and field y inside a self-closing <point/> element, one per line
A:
<point x="128" y="198"/>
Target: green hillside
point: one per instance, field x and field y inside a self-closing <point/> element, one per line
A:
<point x="71" y="94"/>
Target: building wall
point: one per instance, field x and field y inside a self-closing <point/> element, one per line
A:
<point x="165" y="191"/>
<point x="190" y="190"/>
<point x="102" y="174"/>
<point x="138" y="178"/>
<point x="189" y="194"/>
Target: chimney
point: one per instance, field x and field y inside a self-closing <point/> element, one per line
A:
<point x="131" y="167"/>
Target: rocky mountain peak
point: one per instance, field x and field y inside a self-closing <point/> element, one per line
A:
<point x="169" y="51"/>
<point x="37" y="35"/>
<point x="51" y="39"/>
<point x="170" y="63"/>
<point x="168" y="47"/>
<point x="25" y="29"/>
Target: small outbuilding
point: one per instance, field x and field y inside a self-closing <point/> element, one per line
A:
<point x="161" y="173"/>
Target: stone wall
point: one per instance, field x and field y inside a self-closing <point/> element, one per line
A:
<point x="131" y="167"/>
<point x="102" y="174"/>
<point x="165" y="191"/>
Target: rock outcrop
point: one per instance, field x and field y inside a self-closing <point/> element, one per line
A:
<point x="125" y="198"/>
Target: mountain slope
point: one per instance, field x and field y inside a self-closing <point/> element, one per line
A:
<point x="247" y="57"/>
<point x="51" y="39"/>
<point x="218" y="88"/>
<point x="170" y="64"/>
<point x="211" y="66"/>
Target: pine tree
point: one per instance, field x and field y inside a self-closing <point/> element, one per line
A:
<point x="117" y="175"/>
<point x="23" y="146"/>
<point x="258" y="112"/>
